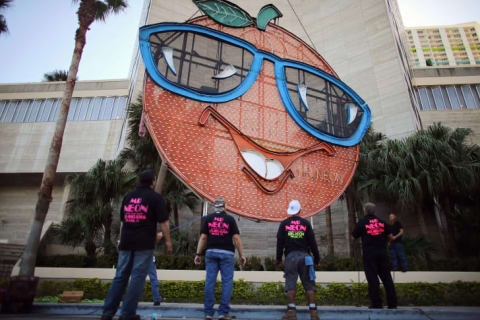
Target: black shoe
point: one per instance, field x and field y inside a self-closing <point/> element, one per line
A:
<point x="156" y="303"/>
<point x="106" y="318"/>
<point x="404" y="270"/>
<point x="375" y="307"/>
<point x="392" y="307"/>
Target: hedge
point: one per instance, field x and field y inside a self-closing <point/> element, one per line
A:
<point x="327" y="263"/>
<point x="272" y="293"/>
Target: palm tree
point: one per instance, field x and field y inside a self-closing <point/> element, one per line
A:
<point x="367" y="168"/>
<point x="95" y="195"/>
<point x="57" y="75"/>
<point x="328" y="220"/>
<point x="88" y="12"/>
<point x="141" y="150"/>
<point x="177" y="195"/>
<point x="3" y="23"/>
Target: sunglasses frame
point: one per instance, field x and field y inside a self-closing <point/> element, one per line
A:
<point x="258" y="56"/>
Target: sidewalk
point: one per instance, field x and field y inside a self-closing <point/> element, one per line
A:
<point x="252" y="312"/>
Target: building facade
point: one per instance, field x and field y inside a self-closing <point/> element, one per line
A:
<point x="363" y="40"/>
<point x="453" y="45"/>
<point x="28" y="112"/>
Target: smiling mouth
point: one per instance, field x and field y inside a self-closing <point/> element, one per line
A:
<point x="268" y="165"/>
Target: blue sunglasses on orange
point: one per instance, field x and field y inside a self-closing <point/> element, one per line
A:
<point x="212" y="66"/>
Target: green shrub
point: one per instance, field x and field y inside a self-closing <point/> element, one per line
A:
<point x="334" y="263"/>
<point x="414" y="294"/>
<point x="270" y="264"/>
<point x="253" y="264"/>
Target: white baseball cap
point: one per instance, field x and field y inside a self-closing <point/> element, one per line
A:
<point x="293" y="207"/>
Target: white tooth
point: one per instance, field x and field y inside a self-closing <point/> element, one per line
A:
<point x="265" y="168"/>
<point x="302" y="91"/>
<point x="352" y="112"/>
<point x="229" y="71"/>
<point x="274" y="168"/>
<point x="168" y="55"/>
<point x="256" y="161"/>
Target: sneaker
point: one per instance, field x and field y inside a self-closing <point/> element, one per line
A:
<point x="106" y="318"/>
<point x="226" y="317"/>
<point x="291" y="314"/>
<point x="208" y="318"/>
<point x="313" y="314"/>
<point x="375" y="307"/>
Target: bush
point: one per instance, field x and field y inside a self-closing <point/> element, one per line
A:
<point x="334" y="263"/>
<point x="272" y="293"/>
<point x="253" y="264"/>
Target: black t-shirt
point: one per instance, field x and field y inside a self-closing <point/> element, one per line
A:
<point x="296" y="234"/>
<point x="374" y="232"/>
<point x="396" y="229"/>
<point x="141" y="209"/>
<point x="220" y="228"/>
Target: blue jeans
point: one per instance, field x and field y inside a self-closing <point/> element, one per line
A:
<point x="224" y="262"/>
<point x="152" y="275"/>
<point x="131" y="265"/>
<point x="396" y="249"/>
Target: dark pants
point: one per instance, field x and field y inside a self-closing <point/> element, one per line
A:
<point x="376" y="265"/>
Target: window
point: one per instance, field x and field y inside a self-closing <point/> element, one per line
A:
<point x="453" y="98"/>
<point x="47" y="110"/>
<point x="468" y="95"/>
<point x="437" y="95"/>
<point x="424" y="100"/>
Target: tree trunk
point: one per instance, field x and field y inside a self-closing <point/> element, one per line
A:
<point x="328" y="217"/>
<point x="91" y="250"/>
<point x="442" y="230"/>
<point x="175" y="214"/>
<point x="446" y="232"/>
<point x="351" y="224"/>
<point x="162" y="173"/>
<point x="421" y="221"/>
<point x="27" y="266"/>
<point x="108" y="246"/>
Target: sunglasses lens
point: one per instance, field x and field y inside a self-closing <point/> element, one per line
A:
<point x="196" y="61"/>
<point x="323" y="105"/>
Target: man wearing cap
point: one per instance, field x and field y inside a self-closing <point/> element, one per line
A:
<point x="296" y="239"/>
<point x="219" y="234"/>
<point x="375" y="233"/>
<point x="141" y="209"/>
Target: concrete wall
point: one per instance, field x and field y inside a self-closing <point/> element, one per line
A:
<point x="18" y="195"/>
<point x="24" y="146"/>
<point x="256" y="276"/>
<point x="455" y="119"/>
<point x="24" y="150"/>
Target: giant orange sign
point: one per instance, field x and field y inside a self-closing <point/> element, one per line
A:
<point x="256" y="117"/>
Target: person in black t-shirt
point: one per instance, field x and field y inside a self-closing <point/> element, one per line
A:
<point x="375" y="233"/>
<point x="220" y="236"/>
<point x="296" y="239"/>
<point x="396" y="245"/>
<point x="141" y="209"/>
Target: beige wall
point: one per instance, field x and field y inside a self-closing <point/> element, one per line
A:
<point x="24" y="150"/>
<point x="455" y="119"/>
<point x="18" y="195"/>
<point x="24" y="146"/>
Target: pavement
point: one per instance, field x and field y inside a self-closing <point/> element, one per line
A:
<point x="175" y="311"/>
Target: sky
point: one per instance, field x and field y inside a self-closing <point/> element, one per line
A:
<point x="41" y="36"/>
